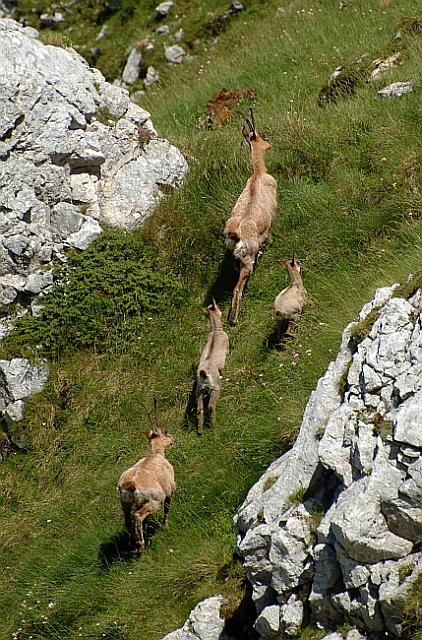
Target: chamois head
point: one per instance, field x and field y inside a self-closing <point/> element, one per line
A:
<point x="212" y="309"/>
<point x="167" y="439"/>
<point x="292" y="264"/>
<point x="254" y="137"/>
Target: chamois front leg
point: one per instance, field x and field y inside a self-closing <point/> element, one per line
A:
<point x="212" y="404"/>
<point x="200" y="410"/>
<point x="244" y="275"/>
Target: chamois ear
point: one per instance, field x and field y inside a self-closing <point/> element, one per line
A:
<point x="145" y="434"/>
<point x="214" y="304"/>
<point x="283" y="264"/>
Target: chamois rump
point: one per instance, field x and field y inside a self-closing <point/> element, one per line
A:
<point x="211" y="365"/>
<point x="290" y="302"/>
<point x="251" y="219"/>
<point x="148" y="484"/>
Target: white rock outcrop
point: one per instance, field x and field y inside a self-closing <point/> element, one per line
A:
<point x="358" y="456"/>
<point x="71" y="158"/>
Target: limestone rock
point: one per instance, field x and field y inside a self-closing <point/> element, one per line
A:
<point x="174" y="54"/>
<point x="70" y="154"/>
<point x="163" y="9"/>
<point x="22" y="379"/>
<point x="396" y="89"/>
<point x="268" y="623"/>
<point x="131" y="71"/>
<point x="368" y="439"/>
<point x="204" y="622"/>
<point x="291" y="616"/>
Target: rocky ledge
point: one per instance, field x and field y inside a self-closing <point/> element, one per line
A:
<point x="76" y="154"/>
<point x="339" y="516"/>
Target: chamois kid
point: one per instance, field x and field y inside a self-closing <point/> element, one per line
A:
<point x="290" y="302"/>
<point x="249" y="225"/>
<point x="211" y="365"/>
<point x="148" y="484"/>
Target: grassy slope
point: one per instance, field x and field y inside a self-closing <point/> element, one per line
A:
<point x="348" y="177"/>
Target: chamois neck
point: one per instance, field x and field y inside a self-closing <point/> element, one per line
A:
<point x="215" y="322"/>
<point x="295" y="277"/>
<point x="157" y="447"/>
<point x="257" y="156"/>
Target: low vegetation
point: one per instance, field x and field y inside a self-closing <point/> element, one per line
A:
<point x="124" y="325"/>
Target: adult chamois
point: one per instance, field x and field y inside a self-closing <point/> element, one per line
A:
<point x="149" y="483"/>
<point x="290" y="302"/>
<point x="211" y="364"/>
<point x="249" y="225"/>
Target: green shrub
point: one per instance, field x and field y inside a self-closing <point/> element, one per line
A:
<point x="102" y="299"/>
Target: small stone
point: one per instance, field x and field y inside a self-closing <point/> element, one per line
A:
<point x="174" y="54"/>
<point x="163" y="9"/>
<point x="396" y="89"/>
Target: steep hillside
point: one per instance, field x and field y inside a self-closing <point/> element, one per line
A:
<point x="348" y="166"/>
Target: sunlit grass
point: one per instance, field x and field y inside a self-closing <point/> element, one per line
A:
<point x="349" y="206"/>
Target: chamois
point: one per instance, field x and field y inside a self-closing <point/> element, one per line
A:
<point x="148" y="484"/>
<point x="211" y="364"/>
<point x="290" y="302"/>
<point x="249" y="225"/>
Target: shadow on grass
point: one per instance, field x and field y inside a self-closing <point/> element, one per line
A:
<point x="189" y="417"/>
<point x="119" y="548"/>
<point x="222" y="288"/>
<point x="271" y="341"/>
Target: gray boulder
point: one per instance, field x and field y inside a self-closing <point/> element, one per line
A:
<point x="204" y="622"/>
<point x="70" y="154"/>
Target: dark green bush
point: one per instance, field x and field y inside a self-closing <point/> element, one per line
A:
<point x="101" y="300"/>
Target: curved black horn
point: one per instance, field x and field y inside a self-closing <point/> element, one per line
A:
<point x="293" y="259"/>
<point x="248" y="122"/>
<point x="253" y="121"/>
<point x="148" y="414"/>
<point x="157" y="424"/>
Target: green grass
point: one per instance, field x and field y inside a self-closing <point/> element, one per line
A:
<point x="348" y="179"/>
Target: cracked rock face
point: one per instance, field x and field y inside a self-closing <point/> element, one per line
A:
<point x="71" y="159"/>
<point x="363" y="447"/>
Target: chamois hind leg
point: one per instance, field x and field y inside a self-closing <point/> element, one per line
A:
<point x="127" y="508"/>
<point x="200" y="410"/>
<point x="244" y="275"/>
<point x="282" y="328"/>
<point x="139" y="517"/>
<point x="212" y="404"/>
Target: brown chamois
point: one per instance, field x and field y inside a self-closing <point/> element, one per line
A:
<point x="252" y="216"/>
<point x="211" y="365"/>
<point x="290" y="302"/>
<point x="148" y="484"/>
